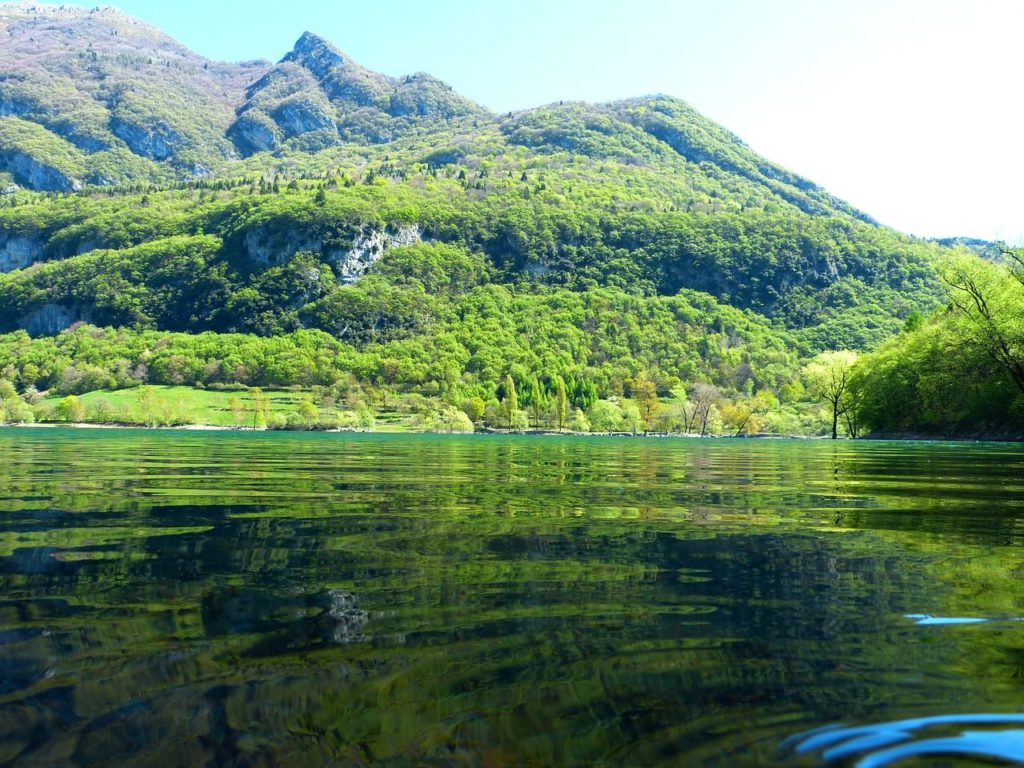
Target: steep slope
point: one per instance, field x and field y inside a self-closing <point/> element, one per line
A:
<point x="322" y="97"/>
<point x="652" y="130"/>
<point x="96" y="97"/>
<point x="263" y="198"/>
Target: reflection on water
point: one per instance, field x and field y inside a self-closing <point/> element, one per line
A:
<point x="924" y="620"/>
<point x="884" y="744"/>
<point x="231" y="599"/>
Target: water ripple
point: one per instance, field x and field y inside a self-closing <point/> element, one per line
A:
<point x="882" y="744"/>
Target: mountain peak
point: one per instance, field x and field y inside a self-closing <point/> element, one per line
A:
<point x="317" y="55"/>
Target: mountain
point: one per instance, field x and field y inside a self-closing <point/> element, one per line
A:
<point x="319" y="97"/>
<point x="434" y="246"/>
<point x="98" y="98"/>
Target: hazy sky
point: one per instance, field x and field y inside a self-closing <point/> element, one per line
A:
<point x="909" y="109"/>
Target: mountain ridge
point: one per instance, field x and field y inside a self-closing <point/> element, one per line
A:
<point x="644" y="194"/>
<point x="115" y="101"/>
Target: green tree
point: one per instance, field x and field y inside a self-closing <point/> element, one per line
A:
<point x="631" y="418"/>
<point x="259" y="406"/>
<point x="536" y="402"/>
<point x="561" y="403"/>
<point x="16" y="411"/>
<point x="71" y="409"/>
<point x="148" y="404"/>
<point x="605" y="416"/>
<point x="101" y="411"/>
<point x="645" y="395"/>
<point x="308" y="412"/>
<point x="990" y="298"/>
<point x="237" y="408"/>
<point x="510" y="401"/>
<point x="454" y="420"/>
<point x="828" y="379"/>
<point x="580" y="422"/>
<point x="474" y="408"/>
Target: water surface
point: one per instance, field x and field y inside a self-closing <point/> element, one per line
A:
<point x="253" y="599"/>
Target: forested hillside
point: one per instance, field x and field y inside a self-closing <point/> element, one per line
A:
<point x="313" y="222"/>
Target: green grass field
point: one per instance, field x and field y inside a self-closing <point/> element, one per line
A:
<point x="186" y="405"/>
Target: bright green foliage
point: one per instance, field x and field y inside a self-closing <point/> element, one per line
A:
<point x="958" y="373"/>
<point x="308" y="412"/>
<point x="605" y="416"/>
<point x="509" y="401"/>
<point x="644" y="393"/>
<point x="828" y="378"/>
<point x="560" y="404"/>
<point x="71" y="409"/>
<point x="386" y="238"/>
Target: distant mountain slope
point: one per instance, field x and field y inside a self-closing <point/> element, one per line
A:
<point x="319" y="94"/>
<point x="185" y="194"/>
<point x="96" y="98"/>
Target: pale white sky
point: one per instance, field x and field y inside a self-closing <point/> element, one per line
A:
<point x="909" y="109"/>
<point x="922" y="129"/>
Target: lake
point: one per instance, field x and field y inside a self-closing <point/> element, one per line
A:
<point x="176" y="598"/>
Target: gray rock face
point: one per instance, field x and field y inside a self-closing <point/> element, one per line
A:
<point x="316" y="55"/>
<point x="349" y="264"/>
<point x="50" y="319"/>
<point x="253" y="133"/>
<point x="368" y="248"/>
<point x="18" y="251"/>
<point x="301" y="116"/>
<point x="156" y="143"/>
<point x="265" y="250"/>
<point x="36" y="174"/>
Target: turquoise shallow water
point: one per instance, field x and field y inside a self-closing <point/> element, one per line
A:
<point x="172" y="598"/>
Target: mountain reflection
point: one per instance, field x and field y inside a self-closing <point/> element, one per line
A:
<point x="324" y="599"/>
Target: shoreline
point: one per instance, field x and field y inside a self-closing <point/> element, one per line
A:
<point x="907" y="438"/>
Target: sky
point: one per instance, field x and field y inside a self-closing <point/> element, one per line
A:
<point x="908" y="109"/>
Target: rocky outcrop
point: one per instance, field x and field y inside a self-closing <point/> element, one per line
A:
<point x="349" y="263"/>
<point x="158" y="142"/>
<point x="50" y="319"/>
<point x="341" y="79"/>
<point x="254" y="132"/>
<point x="37" y="174"/>
<point x="299" y="116"/>
<point x="316" y="54"/>
<point x="367" y="249"/>
<point x="18" y="251"/>
<point x="263" y="249"/>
